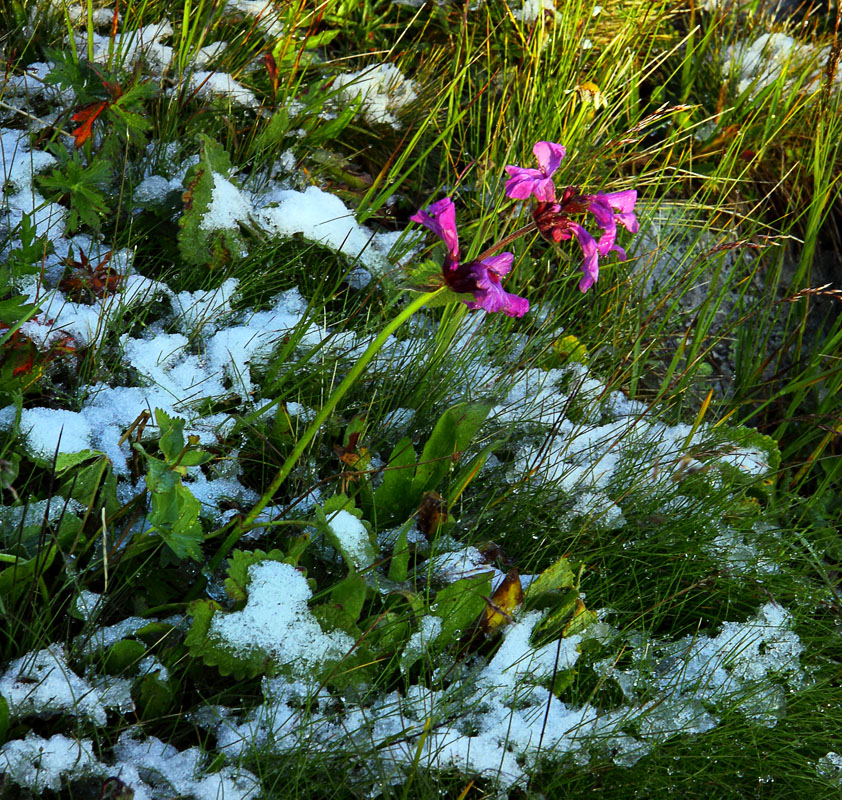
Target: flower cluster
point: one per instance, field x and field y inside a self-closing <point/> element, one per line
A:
<point x="551" y="215"/>
<point x="480" y="278"/>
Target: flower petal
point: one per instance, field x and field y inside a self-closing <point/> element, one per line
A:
<point x="489" y="293"/>
<point x="624" y="203"/>
<point x="549" y="155"/>
<point x="499" y="264"/>
<point x="524" y="182"/>
<point x="440" y="218"/>
<point x="590" y="265"/>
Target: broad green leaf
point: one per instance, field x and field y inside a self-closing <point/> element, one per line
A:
<point x="460" y="604"/>
<point x="357" y="548"/>
<point x="394" y="497"/>
<point x="350" y="594"/>
<point x="94" y="485"/>
<point x="555" y="577"/>
<point x="451" y="435"/>
<point x="17" y="579"/>
<point x="4" y="719"/>
<point x="122" y="655"/>
<point x="399" y="565"/>
<point x="154" y="698"/>
<point x="568" y="617"/>
<point x="67" y="461"/>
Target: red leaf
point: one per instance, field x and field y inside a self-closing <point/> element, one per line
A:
<point x="272" y="69"/>
<point x="87" y="116"/>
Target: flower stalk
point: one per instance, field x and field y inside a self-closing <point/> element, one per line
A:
<point x="244" y="524"/>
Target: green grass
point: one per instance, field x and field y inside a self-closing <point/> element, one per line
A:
<point x="719" y="320"/>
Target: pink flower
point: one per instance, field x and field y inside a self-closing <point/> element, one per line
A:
<point x="489" y="292"/>
<point x="480" y="278"/>
<point x="524" y="182"/>
<point x="440" y="218"/>
<point x="609" y="209"/>
<point x="554" y="223"/>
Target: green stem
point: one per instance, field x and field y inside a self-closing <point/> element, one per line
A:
<point x="503" y="242"/>
<point x="242" y="525"/>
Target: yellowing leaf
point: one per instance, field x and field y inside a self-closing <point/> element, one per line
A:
<point x="502" y="604"/>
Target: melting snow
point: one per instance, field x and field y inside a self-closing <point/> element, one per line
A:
<point x="277" y="621"/>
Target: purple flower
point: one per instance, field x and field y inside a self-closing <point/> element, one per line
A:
<point x="609" y="209"/>
<point x="488" y="290"/>
<point x="524" y="182"/>
<point x="554" y="223"/>
<point x="590" y="249"/>
<point x="440" y="218"/>
<point x="480" y="278"/>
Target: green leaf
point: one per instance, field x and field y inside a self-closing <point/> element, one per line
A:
<point x="460" y="604"/>
<point x="328" y="131"/>
<point x="393" y="497"/>
<point x="171" y="440"/>
<point x="555" y="577"/>
<point x="17" y="579"/>
<point x="154" y="698"/>
<point x="80" y="185"/>
<point x="240" y="665"/>
<point x="94" y="485"/>
<point x="122" y="655"/>
<point x="272" y="133"/>
<point x="567" y="618"/>
<point x="198" y="246"/>
<point x="15" y="309"/>
<point x="399" y="565"/>
<point x="4" y="719"/>
<point x="195" y="458"/>
<point x="349" y="595"/>
<point x="452" y="434"/>
<point x="358" y="552"/>
<point x="67" y="461"/>
<point x="181" y="530"/>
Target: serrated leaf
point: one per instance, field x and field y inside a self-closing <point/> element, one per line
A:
<point x="197" y="245"/>
<point x="240" y="665"/>
<point x="171" y="439"/>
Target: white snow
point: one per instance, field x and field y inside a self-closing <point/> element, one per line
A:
<point x="277" y="621"/>
<point x="353" y="538"/>
<point x="39" y="764"/>
<point x="384" y="91"/>
<point x="208" y="85"/>
<point x="42" y="684"/>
